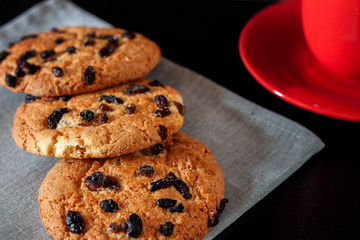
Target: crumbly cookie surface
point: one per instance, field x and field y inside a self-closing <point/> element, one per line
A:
<point x="67" y="188"/>
<point x="73" y="60"/>
<point x="105" y="123"/>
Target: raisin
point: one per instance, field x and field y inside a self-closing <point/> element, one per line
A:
<point x="111" y="99"/>
<point x="212" y="222"/>
<point x="74" y="222"/>
<point x="109" y="183"/>
<point x="89" y="74"/>
<point x="32" y="69"/>
<point x="116" y="228"/>
<point x="89" y="42"/>
<point x="3" y="55"/>
<point x="145" y="170"/>
<point x="162" y="183"/>
<point x="66" y="98"/>
<point x="166" y="229"/>
<point x="162" y="131"/>
<point x="30" y="98"/>
<point x="171" y="177"/>
<point x="171" y="180"/>
<point x="180" y="107"/>
<point x="57" y="71"/>
<point x="19" y="72"/>
<point x="129" y="34"/>
<point x="157" y="149"/>
<point x="59" y="40"/>
<point x="55" y="117"/>
<point x="111" y="45"/>
<point x="187" y="195"/>
<point x="130" y="108"/>
<point x="87" y="115"/>
<point x="182" y="188"/>
<point x="27" y="55"/>
<point x="166" y="202"/>
<point x="98" y="180"/>
<point x="47" y="54"/>
<point x="109" y="205"/>
<point x="134" y="89"/>
<point x="163" y="112"/>
<point x="161" y="101"/>
<point x="156" y="83"/>
<point x="95" y="181"/>
<point x="10" y="80"/>
<point x="106" y="51"/>
<point x="70" y="49"/>
<point x="22" y="64"/>
<point x="222" y="205"/>
<point x="134" y="226"/>
<point x="90" y="35"/>
<point x="103" y="118"/>
<point x="179" y="208"/>
<point x="105" y="108"/>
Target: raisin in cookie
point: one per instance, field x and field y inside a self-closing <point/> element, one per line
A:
<point x="105" y="123"/>
<point x="73" y="60"/>
<point x="173" y="190"/>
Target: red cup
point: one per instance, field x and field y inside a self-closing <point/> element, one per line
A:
<point x="332" y="31"/>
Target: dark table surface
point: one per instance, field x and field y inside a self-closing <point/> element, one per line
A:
<point x="322" y="199"/>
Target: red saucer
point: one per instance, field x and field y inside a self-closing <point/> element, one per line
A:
<point x="273" y="49"/>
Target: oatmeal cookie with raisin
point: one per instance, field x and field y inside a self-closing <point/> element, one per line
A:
<point x="105" y="123"/>
<point x="170" y="191"/>
<point x="74" y="60"/>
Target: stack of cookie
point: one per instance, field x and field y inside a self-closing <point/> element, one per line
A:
<point x="126" y="171"/>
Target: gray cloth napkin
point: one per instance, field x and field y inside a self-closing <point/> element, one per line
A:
<point x="257" y="149"/>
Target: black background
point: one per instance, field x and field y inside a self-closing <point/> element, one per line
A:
<point x="322" y="199"/>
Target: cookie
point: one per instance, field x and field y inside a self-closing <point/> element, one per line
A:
<point x="74" y="60"/>
<point x="172" y="191"/>
<point x="106" y="123"/>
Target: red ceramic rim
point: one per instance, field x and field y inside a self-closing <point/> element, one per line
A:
<point x="333" y="109"/>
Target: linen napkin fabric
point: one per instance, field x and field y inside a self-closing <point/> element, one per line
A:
<point x="256" y="149"/>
